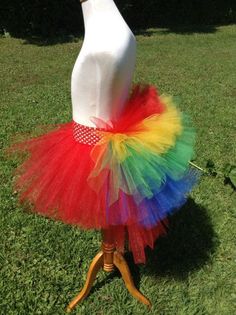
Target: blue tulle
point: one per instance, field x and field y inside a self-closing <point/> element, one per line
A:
<point x="171" y="196"/>
<point x="164" y="201"/>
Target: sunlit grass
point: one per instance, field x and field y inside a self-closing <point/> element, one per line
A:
<point x="43" y="263"/>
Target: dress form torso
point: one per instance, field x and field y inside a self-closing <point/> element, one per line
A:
<point x="103" y="71"/>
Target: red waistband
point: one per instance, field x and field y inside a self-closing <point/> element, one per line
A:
<point x="85" y="134"/>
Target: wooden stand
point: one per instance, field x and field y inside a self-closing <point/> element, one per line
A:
<point x="108" y="258"/>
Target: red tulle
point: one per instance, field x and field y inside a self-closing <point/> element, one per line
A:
<point x="144" y="102"/>
<point x="54" y="179"/>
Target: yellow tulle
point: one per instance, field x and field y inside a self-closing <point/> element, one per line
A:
<point x="157" y="133"/>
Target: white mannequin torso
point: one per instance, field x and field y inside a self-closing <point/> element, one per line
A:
<point x="103" y="71"/>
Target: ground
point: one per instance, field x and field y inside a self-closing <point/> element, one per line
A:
<point x="192" y="270"/>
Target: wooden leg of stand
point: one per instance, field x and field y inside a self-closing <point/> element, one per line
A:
<point x="122" y="266"/>
<point x="108" y="249"/>
<point x="95" y="266"/>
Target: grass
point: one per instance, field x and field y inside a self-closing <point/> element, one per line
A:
<point x="43" y="263"/>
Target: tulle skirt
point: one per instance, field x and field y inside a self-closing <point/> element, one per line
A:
<point x="126" y="175"/>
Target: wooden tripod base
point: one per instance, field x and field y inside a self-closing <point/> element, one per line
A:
<point x="107" y="259"/>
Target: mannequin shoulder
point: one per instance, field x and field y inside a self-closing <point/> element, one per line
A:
<point x="116" y="41"/>
<point x="107" y="55"/>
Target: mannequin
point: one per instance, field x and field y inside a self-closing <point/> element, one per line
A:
<point x="123" y="179"/>
<point x="100" y="84"/>
<point x="103" y="71"/>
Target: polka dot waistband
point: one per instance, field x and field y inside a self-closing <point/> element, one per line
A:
<point x="85" y="134"/>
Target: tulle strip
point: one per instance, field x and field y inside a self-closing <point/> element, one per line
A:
<point x="129" y="181"/>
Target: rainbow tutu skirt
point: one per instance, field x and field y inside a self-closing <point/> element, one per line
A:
<point x="126" y="175"/>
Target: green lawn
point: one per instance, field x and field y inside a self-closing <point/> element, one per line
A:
<point x="43" y="263"/>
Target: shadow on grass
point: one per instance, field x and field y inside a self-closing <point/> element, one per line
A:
<point x="185" y="30"/>
<point x="50" y="41"/>
<point x="191" y="29"/>
<point x="188" y="245"/>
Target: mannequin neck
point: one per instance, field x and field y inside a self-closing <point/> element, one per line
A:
<point x="91" y="8"/>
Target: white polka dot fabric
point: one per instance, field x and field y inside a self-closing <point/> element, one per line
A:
<point x="85" y="134"/>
